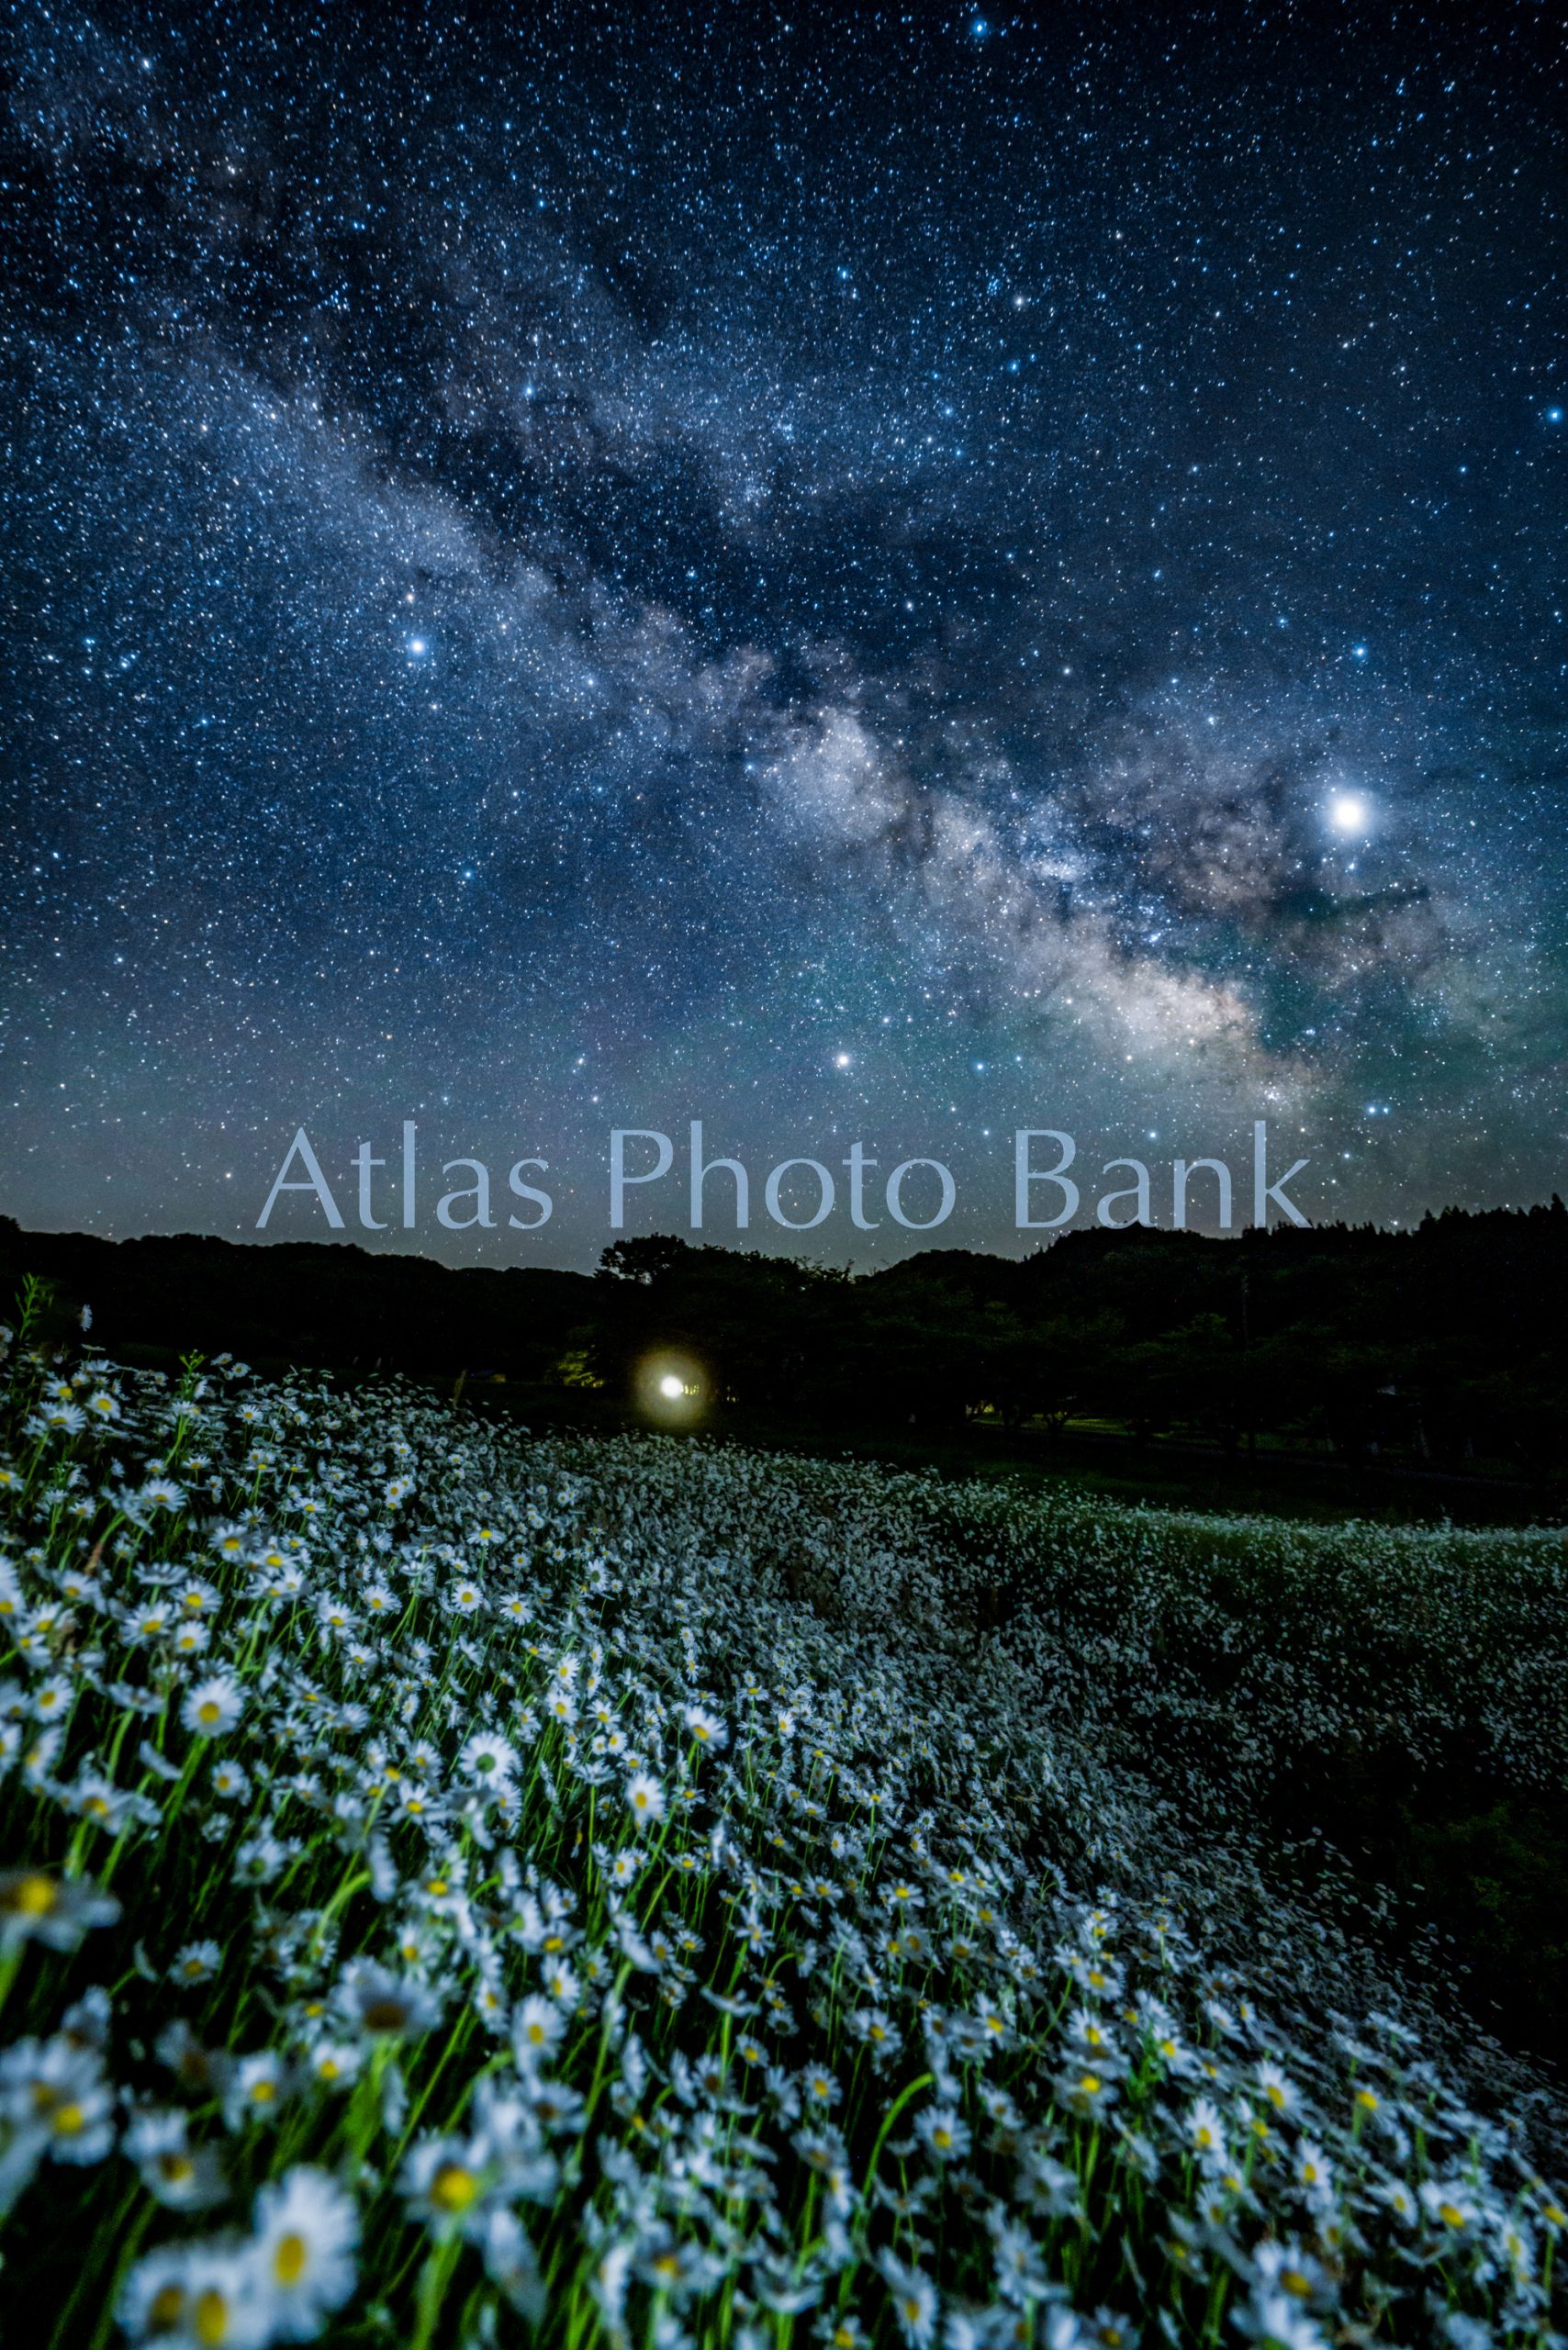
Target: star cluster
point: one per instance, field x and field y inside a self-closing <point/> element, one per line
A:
<point x="846" y="573"/>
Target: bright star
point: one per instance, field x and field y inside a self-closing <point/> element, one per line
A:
<point x="1348" y="813"/>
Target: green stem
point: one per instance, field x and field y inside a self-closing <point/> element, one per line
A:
<point x="434" y="2279"/>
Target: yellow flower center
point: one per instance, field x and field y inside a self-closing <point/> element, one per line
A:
<point x="210" y="2317"/>
<point x="454" y="2189"/>
<point x="290" y="2254"/>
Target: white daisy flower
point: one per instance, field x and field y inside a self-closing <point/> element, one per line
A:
<point x="307" y="2230"/>
<point x="213" y="1707"/>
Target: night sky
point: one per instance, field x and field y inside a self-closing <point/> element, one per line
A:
<point x="849" y="574"/>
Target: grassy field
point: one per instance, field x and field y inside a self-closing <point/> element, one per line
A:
<point x="1094" y="1457"/>
<point x="463" y="1886"/>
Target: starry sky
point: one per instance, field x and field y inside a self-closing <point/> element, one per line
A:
<point x="852" y="572"/>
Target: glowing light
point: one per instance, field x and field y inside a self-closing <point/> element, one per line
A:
<point x="672" y="1389"/>
<point x="840" y="1060"/>
<point x="1349" y="812"/>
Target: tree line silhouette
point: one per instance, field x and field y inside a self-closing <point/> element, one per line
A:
<point x="1442" y="1345"/>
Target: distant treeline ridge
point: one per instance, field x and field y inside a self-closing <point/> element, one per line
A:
<point x="1446" y="1341"/>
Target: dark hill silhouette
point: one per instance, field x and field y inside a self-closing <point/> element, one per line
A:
<point x="1444" y="1343"/>
<point x="304" y="1301"/>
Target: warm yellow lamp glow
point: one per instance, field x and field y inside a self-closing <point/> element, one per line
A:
<point x="673" y="1389"/>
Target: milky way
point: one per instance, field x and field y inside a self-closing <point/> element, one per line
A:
<point x="887" y="575"/>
